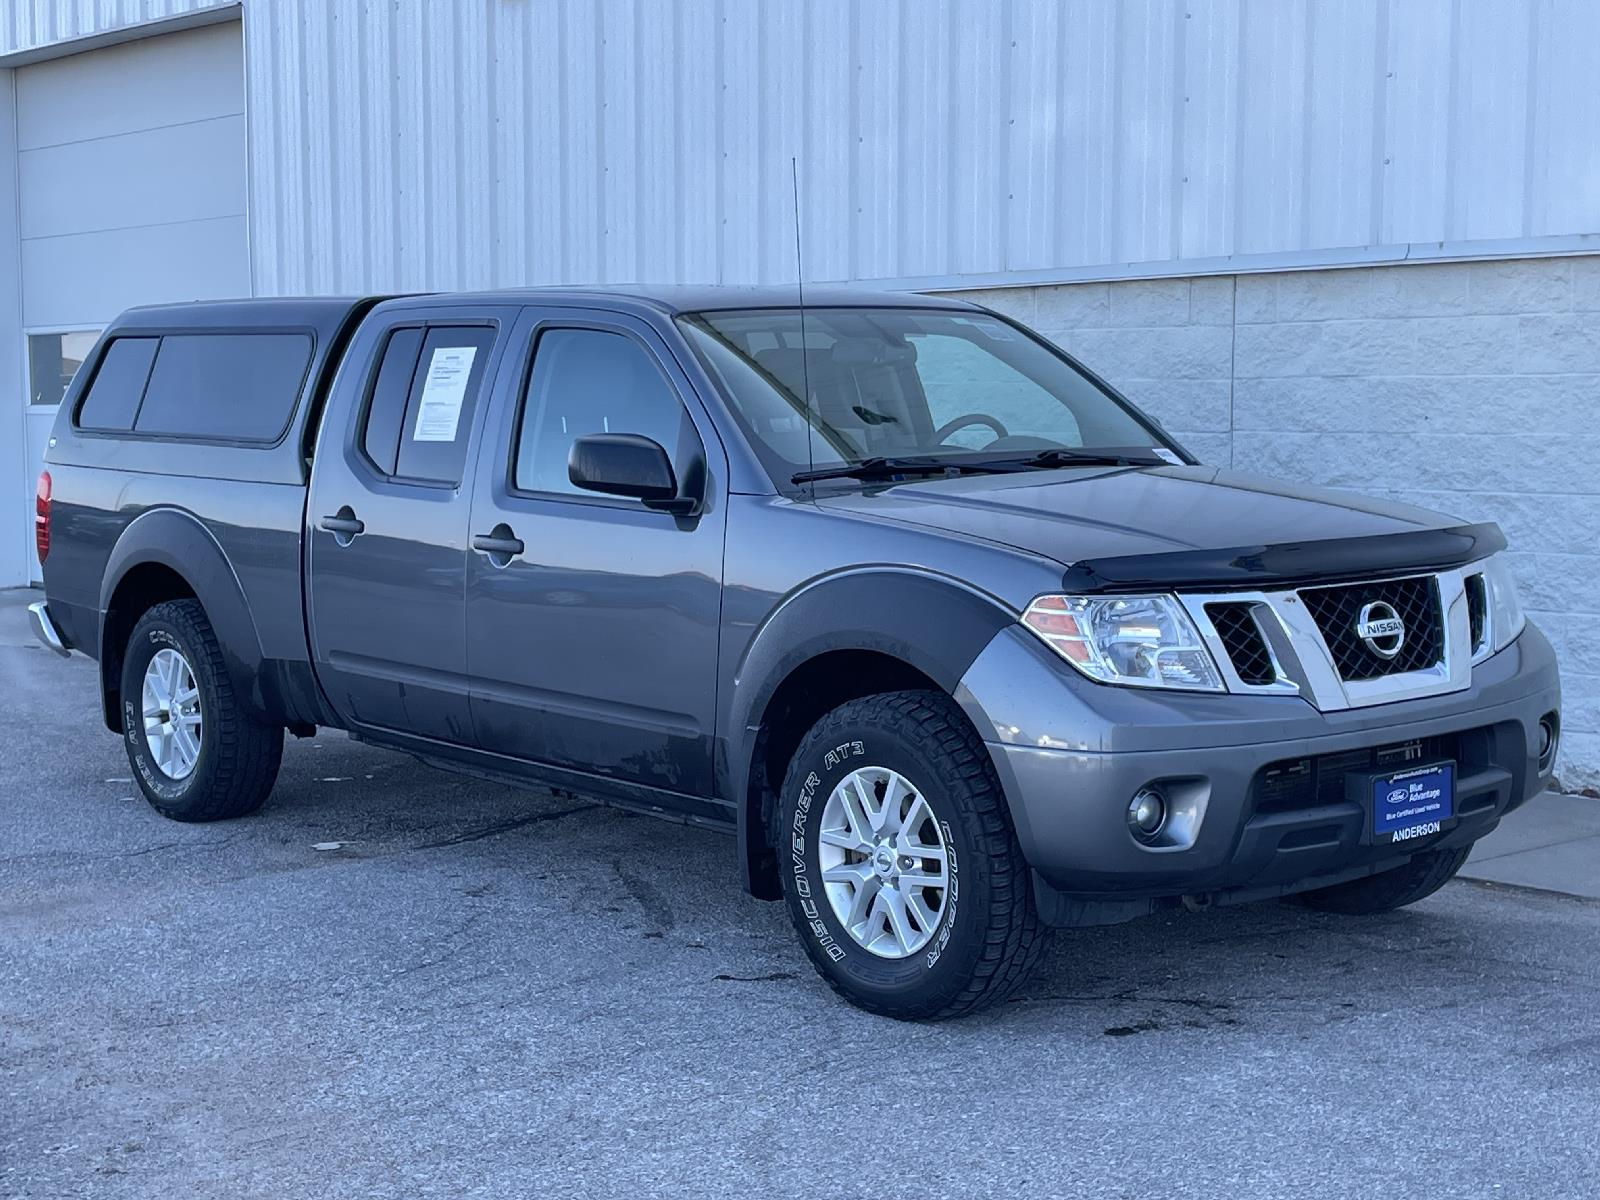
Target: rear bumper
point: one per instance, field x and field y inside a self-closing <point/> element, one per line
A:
<point x="45" y="629"/>
<point x="1058" y="747"/>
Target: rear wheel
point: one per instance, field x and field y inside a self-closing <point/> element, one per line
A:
<point x="196" y="754"/>
<point x="900" y="866"/>
<point x="1421" y="877"/>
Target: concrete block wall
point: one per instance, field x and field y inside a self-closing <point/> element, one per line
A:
<point x="1472" y="388"/>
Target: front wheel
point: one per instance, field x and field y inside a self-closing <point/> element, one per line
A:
<point x="900" y="865"/>
<point x="1388" y="890"/>
<point x="196" y="753"/>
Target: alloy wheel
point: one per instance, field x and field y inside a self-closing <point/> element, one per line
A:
<point x="885" y="863"/>
<point x="172" y="719"/>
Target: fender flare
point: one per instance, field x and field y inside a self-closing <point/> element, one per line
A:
<point x="177" y="540"/>
<point x="934" y="623"/>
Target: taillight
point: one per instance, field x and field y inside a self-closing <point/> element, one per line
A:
<point x="41" y="516"/>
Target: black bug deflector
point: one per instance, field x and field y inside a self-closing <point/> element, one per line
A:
<point x="1288" y="563"/>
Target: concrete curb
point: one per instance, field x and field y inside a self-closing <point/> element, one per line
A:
<point x="1551" y="844"/>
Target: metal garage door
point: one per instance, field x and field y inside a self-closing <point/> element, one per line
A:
<point x="131" y="190"/>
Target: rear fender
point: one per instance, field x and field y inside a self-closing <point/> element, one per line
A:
<point x="177" y="540"/>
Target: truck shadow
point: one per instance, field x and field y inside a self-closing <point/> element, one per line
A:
<point x="1269" y="964"/>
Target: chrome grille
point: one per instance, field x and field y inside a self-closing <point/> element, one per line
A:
<point x="1307" y="637"/>
<point x="1235" y="624"/>
<point x="1477" y="610"/>
<point x="1336" y="610"/>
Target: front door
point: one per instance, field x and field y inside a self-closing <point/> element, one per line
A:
<point x="592" y="638"/>
<point x="387" y="521"/>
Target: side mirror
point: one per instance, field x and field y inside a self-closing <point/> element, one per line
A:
<point x="626" y="464"/>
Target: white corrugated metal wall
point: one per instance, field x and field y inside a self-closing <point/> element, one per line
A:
<point x="407" y="144"/>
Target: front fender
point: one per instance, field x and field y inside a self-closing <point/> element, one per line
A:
<point x="177" y="540"/>
<point x="932" y="622"/>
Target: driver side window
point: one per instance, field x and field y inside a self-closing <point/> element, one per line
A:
<point x="960" y="379"/>
<point x="589" y="381"/>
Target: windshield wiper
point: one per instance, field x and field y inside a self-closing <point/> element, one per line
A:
<point x="1078" y="458"/>
<point x="886" y="467"/>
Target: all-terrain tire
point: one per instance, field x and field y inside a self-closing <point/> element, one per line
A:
<point x="1421" y="877"/>
<point x="239" y="755"/>
<point x="987" y="937"/>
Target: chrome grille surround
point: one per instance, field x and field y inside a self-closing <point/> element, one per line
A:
<point x="1304" y="664"/>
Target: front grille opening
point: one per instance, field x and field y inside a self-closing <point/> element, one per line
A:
<point x="1235" y="624"/>
<point x="1337" y="611"/>
<point x="1477" y="610"/>
<point x="1293" y="784"/>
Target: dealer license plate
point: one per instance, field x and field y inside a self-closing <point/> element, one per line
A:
<point x="1414" y="803"/>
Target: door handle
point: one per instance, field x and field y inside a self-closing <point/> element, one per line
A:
<point x="343" y="525"/>
<point x="499" y="543"/>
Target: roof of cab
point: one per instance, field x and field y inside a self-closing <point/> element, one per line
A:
<point x="320" y="313"/>
<point x="679" y="298"/>
<point x="330" y="313"/>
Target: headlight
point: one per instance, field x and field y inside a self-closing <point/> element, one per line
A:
<point x="1506" y="619"/>
<point x="1146" y="641"/>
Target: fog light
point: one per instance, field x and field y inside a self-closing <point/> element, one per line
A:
<point x="1147" y="814"/>
<point x="1549" y="739"/>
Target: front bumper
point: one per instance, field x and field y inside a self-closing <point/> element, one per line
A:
<point x="1071" y="755"/>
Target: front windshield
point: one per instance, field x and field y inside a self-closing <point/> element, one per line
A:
<point x="904" y="382"/>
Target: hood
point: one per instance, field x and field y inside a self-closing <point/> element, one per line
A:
<point x="1157" y="526"/>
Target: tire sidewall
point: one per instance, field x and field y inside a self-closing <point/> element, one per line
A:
<point x="154" y="633"/>
<point x="927" y="979"/>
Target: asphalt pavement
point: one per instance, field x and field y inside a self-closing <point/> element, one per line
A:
<point x="397" y="982"/>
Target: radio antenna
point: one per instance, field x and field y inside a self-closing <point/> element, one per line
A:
<point x="800" y="290"/>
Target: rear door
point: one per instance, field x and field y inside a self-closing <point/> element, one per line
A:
<point x="388" y="514"/>
<point x="592" y="637"/>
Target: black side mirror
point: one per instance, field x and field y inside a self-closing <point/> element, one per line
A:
<point x="626" y="464"/>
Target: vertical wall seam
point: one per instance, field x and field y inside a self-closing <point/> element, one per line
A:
<point x="331" y="279"/>
<point x="902" y="105"/>
<point x="1307" y="142"/>
<point x="854" y="65"/>
<point x="1002" y="89"/>
<point x="719" y="107"/>
<point x="1180" y="102"/>
<point x="1235" y="208"/>
<point x="1531" y="127"/>
<point x="302" y="62"/>
<point x="1112" y="247"/>
<point x="563" y="187"/>
<point x="1233" y="366"/>
<point x="250" y="208"/>
<point x="1454" y="203"/>
<point x="1380" y="121"/>
<point x="952" y="160"/>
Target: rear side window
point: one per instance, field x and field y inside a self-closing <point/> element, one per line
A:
<point x="391" y="392"/>
<point x="112" y="400"/>
<point x="439" y="406"/>
<point x="239" y="387"/>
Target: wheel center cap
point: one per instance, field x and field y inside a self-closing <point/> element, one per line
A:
<point x="883" y="860"/>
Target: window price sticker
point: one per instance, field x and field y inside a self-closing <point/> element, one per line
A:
<point x="443" y="393"/>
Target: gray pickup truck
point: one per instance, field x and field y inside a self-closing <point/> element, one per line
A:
<point x="957" y="643"/>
